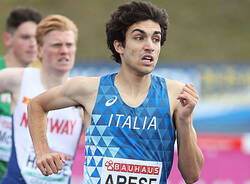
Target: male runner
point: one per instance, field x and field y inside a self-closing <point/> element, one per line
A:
<point x="20" y="41"/>
<point x="56" y="38"/>
<point x="131" y="116"/>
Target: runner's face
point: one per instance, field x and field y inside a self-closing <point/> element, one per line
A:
<point x="142" y="47"/>
<point x="58" y="50"/>
<point x="23" y="43"/>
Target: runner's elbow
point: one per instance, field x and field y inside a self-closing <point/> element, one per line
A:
<point x="192" y="178"/>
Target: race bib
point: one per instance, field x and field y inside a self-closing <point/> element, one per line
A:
<point x="5" y="137"/>
<point x="32" y="174"/>
<point x="128" y="171"/>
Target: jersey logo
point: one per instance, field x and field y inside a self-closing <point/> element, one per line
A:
<point x="26" y="100"/>
<point x="111" y="101"/>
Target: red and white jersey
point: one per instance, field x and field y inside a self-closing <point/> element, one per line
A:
<point x="63" y="133"/>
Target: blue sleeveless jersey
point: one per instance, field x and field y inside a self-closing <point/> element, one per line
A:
<point x="129" y="145"/>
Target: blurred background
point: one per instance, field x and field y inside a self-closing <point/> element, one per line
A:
<point x="199" y="31"/>
<point x="208" y="45"/>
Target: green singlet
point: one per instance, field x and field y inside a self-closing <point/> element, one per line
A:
<point x="5" y="130"/>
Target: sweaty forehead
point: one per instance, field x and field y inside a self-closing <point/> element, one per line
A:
<point x="147" y="26"/>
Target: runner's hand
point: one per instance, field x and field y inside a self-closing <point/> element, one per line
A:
<point x="51" y="163"/>
<point x="188" y="99"/>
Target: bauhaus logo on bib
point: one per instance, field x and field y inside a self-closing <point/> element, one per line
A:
<point x="128" y="171"/>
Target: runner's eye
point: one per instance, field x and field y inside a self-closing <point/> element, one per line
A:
<point x="138" y="38"/>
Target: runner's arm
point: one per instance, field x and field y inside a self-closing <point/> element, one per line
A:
<point x="10" y="79"/>
<point x="190" y="158"/>
<point x="58" y="97"/>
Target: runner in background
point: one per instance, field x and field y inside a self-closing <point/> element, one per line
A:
<point x="20" y="41"/>
<point x="56" y="37"/>
<point x="132" y="117"/>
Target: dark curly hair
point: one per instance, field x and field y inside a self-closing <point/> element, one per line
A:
<point x="128" y="14"/>
<point x="20" y="15"/>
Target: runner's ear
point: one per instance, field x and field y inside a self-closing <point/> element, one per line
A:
<point x="7" y="39"/>
<point x="118" y="47"/>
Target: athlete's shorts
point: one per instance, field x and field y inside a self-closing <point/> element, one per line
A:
<point x="11" y="180"/>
